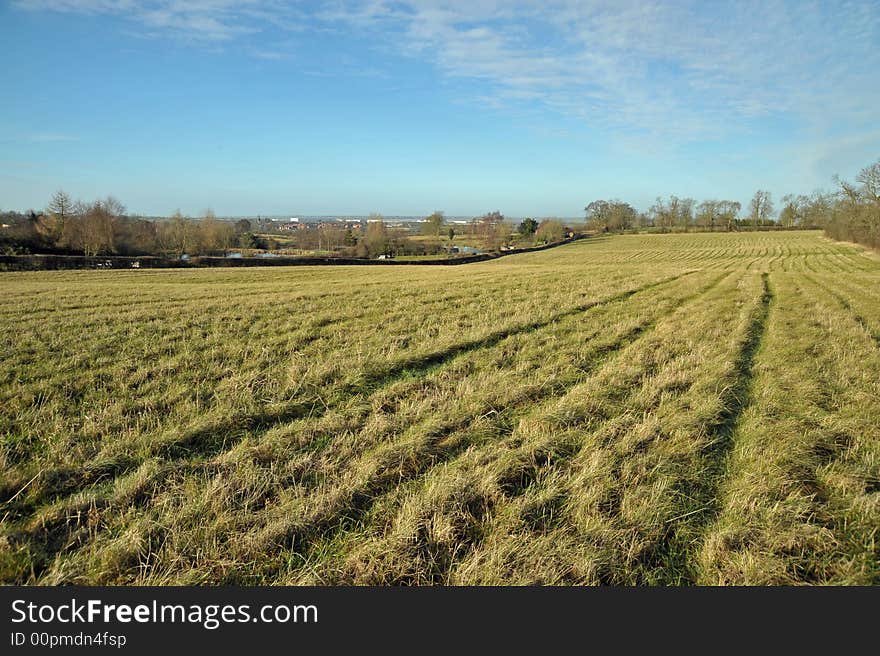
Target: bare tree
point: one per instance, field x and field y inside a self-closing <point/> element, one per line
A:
<point x="869" y="179"/>
<point x="99" y="229"/>
<point x="676" y="212"/>
<point x="59" y="210"/>
<point x="113" y="207"/>
<point x="684" y="214"/>
<point x="375" y="242"/>
<point x="179" y="234"/>
<point x="491" y="228"/>
<point x="727" y="213"/>
<point x="707" y="214"/>
<point x="760" y="208"/>
<point x="613" y="215"/>
<point x="215" y="235"/>
<point x="792" y="212"/>
<point x="856" y="214"/>
<point x="330" y="236"/>
<point x="549" y="231"/>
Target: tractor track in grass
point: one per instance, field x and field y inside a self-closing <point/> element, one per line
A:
<point x="157" y="303"/>
<point x="401" y="462"/>
<point x="193" y="441"/>
<point x="444" y="447"/>
<point x="199" y="446"/>
<point x="410" y="442"/>
<point x="674" y="554"/>
<point x="847" y="306"/>
<point x="810" y="396"/>
<point x="513" y="481"/>
<point x="555" y="452"/>
<point x="210" y="440"/>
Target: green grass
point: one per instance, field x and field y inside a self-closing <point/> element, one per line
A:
<point x="644" y="409"/>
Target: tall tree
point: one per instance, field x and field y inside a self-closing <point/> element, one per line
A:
<point x="113" y="207"/>
<point x="181" y="237"/>
<point x="707" y="214"/>
<point x="610" y="215"/>
<point x="597" y="214"/>
<point x="728" y="211"/>
<point x="215" y="235"/>
<point x="869" y="181"/>
<point x="760" y="208"/>
<point x="684" y="214"/>
<point x="792" y="210"/>
<point x="664" y="214"/>
<point x="375" y="241"/>
<point x="856" y="214"/>
<point x="99" y="228"/>
<point x="59" y="210"/>
<point x="491" y="228"/>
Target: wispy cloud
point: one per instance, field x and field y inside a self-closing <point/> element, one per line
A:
<point x="686" y="70"/>
<point x="39" y="138"/>
<point x="51" y="137"/>
<point x="195" y="20"/>
<point x="270" y="55"/>
<point x="641" y="68"/>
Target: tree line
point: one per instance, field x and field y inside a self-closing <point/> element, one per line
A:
<point x="495" y="232"/>
<point x="851" y="212"/>
<point x="102" y="227"/>
<point x="678" y="214"/>
<point x="491" y="230"/>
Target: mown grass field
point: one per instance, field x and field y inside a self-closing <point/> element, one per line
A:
<point x="657" y="409"/>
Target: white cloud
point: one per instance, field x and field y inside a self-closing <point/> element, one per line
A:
<point x="197" y="20"/>
<point x="642" y="68"/>
<point x="680" y="71"/>
<point x="51" y="137"/>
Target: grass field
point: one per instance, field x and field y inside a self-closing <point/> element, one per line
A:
<point x="657" y="409"/>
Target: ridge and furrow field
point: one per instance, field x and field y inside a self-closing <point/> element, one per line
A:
<point x="642" y="409"/>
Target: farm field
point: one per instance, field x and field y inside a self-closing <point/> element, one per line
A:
<point x="641" y="409"/>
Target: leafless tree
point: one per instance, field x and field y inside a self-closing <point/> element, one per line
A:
<point x="760" y="208"/>
<point x="58" y="211"/>
<point x="98" y="231"/>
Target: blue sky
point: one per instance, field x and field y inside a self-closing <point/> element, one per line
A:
<point x="536" y="109"/>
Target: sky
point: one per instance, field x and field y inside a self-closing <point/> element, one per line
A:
<point x="531" y="108"/>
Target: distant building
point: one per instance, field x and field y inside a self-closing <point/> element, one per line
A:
<point x="293" y="224"/>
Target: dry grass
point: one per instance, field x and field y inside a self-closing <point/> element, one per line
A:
<point x="663" y="409"/>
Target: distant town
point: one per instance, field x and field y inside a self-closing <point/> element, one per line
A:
<point x="264" y="223"/>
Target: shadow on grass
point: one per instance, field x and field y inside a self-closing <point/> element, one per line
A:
<point x="215" y="438"/>
<point x="672" y="556"/>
